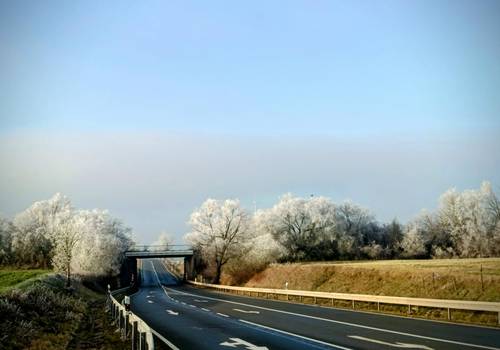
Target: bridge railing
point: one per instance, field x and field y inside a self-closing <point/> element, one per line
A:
<point x="160" y="248"/>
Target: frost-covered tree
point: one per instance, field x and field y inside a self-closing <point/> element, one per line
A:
<point x="65" y="236"/>
<point x="305" y="228"/>
<point x="373" y="250"/>
<point x="413" y="244"/>
<point x="32" y="240"/>
<point x="355" y="226"/>
<point x="164" y="240"/>
<point x="101" y="244"/>
<point x="467" y="218"/>
<point x="6" y="231"/>
<point x="219" y="230"/>
<point x="392" y="234"/>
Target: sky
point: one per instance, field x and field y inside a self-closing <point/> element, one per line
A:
<point x="148" y="109"/>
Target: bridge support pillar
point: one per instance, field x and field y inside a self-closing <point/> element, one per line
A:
<point x="188" y="268"/>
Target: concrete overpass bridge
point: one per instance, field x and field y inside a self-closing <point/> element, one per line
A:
<point x="129" y="270"/>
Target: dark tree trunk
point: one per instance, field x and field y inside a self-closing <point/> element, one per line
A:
<point x="218" y="273"/>
<point x="68" y="276"/>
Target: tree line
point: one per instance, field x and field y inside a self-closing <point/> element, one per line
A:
<point x="229" y="239"/>
<point x="53" y="234"/>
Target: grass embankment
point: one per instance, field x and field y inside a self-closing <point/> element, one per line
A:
<point x="440" y="279"/>
<point x="40" y="313"/>
<point x="14" y="278"/>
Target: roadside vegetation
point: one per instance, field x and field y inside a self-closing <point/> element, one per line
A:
<point x="49" y="253"/>
<point x="52" y="234"/>
<point x="46" y="315"/>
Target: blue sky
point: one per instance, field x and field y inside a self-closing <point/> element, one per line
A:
<point x="376" y="95"/>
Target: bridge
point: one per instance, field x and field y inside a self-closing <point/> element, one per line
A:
<point x="160" y="251"/>
<point x="129" y="266"/>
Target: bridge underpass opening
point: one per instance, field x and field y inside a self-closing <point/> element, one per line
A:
<point x="183" y="253"/>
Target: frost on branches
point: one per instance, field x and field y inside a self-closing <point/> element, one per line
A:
<point x="465" y="225"/>
<point x="303" y="227"/>
<point x="51" y="233"/>
<point x="219" y="229"/>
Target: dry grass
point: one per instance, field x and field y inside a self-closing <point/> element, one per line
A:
<point x="439" y="279"/>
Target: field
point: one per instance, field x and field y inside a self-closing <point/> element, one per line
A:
<point x="13" y="278"/>
<point x="441" y="279"/>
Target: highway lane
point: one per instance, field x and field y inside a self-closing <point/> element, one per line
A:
<point x="188" y="326"/>
<point x="243" y="318"/>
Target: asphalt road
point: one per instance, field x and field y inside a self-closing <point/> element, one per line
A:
<point x="192" y="318"/>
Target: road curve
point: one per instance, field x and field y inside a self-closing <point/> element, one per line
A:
<point x="192" y="318"/>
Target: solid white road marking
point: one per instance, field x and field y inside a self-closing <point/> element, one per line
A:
<point x="172" y="312"/>
<point x="157" y="278"/>
<point x="165" y="340"/>
<point x="201" y="301"/>
<point x="239" y="341"/>
<point x="236" y="342"/>
<point x="397" y="345"/>
<point x="342" y="322"/>
<point x="205" y="309"/>
<point x="296" y="335"/>
<point x="247" y="312"/>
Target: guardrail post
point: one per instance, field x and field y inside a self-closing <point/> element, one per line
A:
<point x="498" y="318"/>
<point x="353" y="304"/>
<point x="127" y="327"/>
<point x="134" y="335"/>
<point x="150" y="342"/>
<point x="142" y="341"/>
<point x="378" y="305"/>
<point x="120" y="320"/>
<point x="449" y="314"/>
<point x="409" y="309"/>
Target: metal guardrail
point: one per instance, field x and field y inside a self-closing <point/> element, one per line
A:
<point x="449" y="305"/>
<point x="129" y="324"/>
